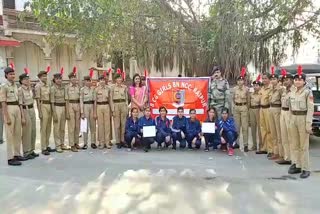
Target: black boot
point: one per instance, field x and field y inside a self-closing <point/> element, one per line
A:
<point x="305" y="174"/>
<point x="45" y="152"/>
<point x="14" y="162"/>
<point x="35" y="154"/>
<point x="94" y="146"/>
<point x="261" y="152"/>
<point x="246" y="149"/>
<point x="294" y="170"/>
<point x="20" y="158"/>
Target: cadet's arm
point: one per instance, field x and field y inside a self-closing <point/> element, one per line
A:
<point x="3" y="95"/>
<point x="52" y="100"/>
<point x="126" y="95"/>
<point x="111" y="99"/>
<point x="37" y="98"/>
<point x="95" y="104"/>
<point x="310" y="111"/>
<point x="66" y="97"/>
<point x="20" y="100"/>
<point x="81" y="103"/>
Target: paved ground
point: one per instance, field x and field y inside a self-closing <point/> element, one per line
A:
<point x="116" y="181"/>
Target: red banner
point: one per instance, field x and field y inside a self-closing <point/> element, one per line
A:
<point x="189" y="93"/>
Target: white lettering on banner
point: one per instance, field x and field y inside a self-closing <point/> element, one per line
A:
<point x="200" y="96"/>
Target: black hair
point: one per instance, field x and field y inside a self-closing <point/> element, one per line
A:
<point x="134" y="108"/>
<point x="191" y="110"/>
<point x="179" y="75"/>
<point x="147" y="108"/>
<point x="133" y="83"/>
<point x="224" y="109"/>
<point x="180" y="108"/>
<point x="215" y="112"/>
<point x="163" y="108"/>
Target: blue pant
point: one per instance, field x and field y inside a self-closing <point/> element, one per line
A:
<point x="230" y="137"/>
<point x="212" y="140"/>
<point x="161" y="137"/>
<point x="190" y="138"/>
<point x="147" y="141"/>
<point x="177" y="136"/>
<point x="129" y="136"/>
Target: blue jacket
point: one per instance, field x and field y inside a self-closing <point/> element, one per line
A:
<point x="193" y="127"/>
<point x="131" y="126"/>
<point x="228" y="125"/>
<point x="179" y="123"/>
<point x="143" y="121"/>
<point x="163" y="126"/>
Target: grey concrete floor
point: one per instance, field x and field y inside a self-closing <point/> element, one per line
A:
<point x="116" y="181"/>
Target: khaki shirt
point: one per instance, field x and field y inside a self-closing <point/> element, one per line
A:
<point x="302" y="100"/>
<point x="42" y="91"/>
<point x="57" y="94"/>
<point x="9" y="92"/>
<point x="119" y="92"/>
<point x="275" y="95"/>
<point x="73" y="93"/>
<point x="285" y="97"/>
<point x="241" y="95"/>
<point x="25" y="96"/>
<point x="86" y="95"/>
<point x="102" y="94"/>
<point x="254" y="99"/>
<point x="265" y="95"/>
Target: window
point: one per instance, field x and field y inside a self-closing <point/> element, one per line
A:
<point x="9" y="4"/>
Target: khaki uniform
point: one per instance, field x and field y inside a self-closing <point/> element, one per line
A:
<point x="9" y="94"/>
<point x="284" y="126"/>
<point x="119" y="97"/>
<point x="266" y="144"/>
<point x="274" y="120"/>
<point x="302" y="108"/>
<point x="73" y="104"/>
<point x="87" y="108"/>
<point x="42" y="93"/>
<point x="102" y="98"/>
<point x="57" y="96"/>
<point x="219" y="94"/>
<point x="241" y="101"/>
<point x="29" y="130"/>
<point x="254" y="116"/>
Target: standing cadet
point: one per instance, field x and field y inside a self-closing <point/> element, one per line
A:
<point x="287" y="80"/>
<point x="254" y="114"/>
<point x="241" y="102"/>
<point x="274" y="117"/>
<point x="219" y="92"/>
<point x="302" y="107"/>
<point x="72" y="97"/>
<point x="12" y="118"/>
<point x="87" y="111"/>
<point x="42" y="96"/>
<point x="102" y="105"/>
<point x="58" y="104"/>
<point x="28" y="117"/>
<point x="266" y="144"/>
<point x="119" y="106"/>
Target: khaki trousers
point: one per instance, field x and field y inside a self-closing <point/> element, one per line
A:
<point x="104" y="124"/>
<point x="300" y="141"/>
<point x="285" y="136"/>
<point x="274" y="124"/>
<point x="254" y="116"/>
<point x="13" y="132"/>
<point x="120" y="116"/>
<point x="74" y="124"/>
<point x="29" y="131"/>
<point x="59" y="126"/>
<point x="241" y="118"/>
<point x="45" y="125"/>
<point x="266" y="144"/>
<point x="88" y="113"/>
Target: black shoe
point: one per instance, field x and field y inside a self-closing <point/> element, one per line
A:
<point x="20" y="158"/>
<point x="294" y="170"/>
<point x="51" y="150"/>
<point x="246" y="149"/>
<point x="29" y="157"/>
<point x="14" y="162"/>
<point x="119" y="146"/>
<point x="94" y="146"/>
<point x="283" y="162"/>
<point x="1" y="141"/>
<point x="146" y="150"/>
<point x="269" y="155"/>
<point x="85" y="147"/>
<point x="35" y="154"/>
<point x="174" y="147"/>
<point x="261" y="152"/>
<point x="45" y="152"/>
<point x="236" y="146"/>
<point x="305" y="174"/>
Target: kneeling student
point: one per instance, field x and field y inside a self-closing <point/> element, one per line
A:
<point x="132" y="131"/>
<point x="163" y="128"/>
<point x="212" y="139"/>
<point x="179" y="129"/>
<point x="146" y="120"/>
<point x="193" y="130"/>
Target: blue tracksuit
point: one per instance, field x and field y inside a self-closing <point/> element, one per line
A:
<point x="193" y="131"/>
<point x="179" y="124"/>
<point x="229" y="132"/>
<point x="213" y="139"/>
<point x="132" y="131"/>
<point x="163" y="130"/>
<point x="143" y="121"/>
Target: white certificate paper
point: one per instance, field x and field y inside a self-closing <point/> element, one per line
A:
<point x="209" y="128"/>
<point x="84" y="125"/>
<point x="149" y="131"/>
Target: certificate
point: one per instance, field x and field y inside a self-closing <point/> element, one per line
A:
<point x="149" y="131"/>
<point x="84" y="125"/>
<point x="208" y="128"/>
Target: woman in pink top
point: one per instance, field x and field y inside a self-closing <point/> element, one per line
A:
<point x="138" y="94"/>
